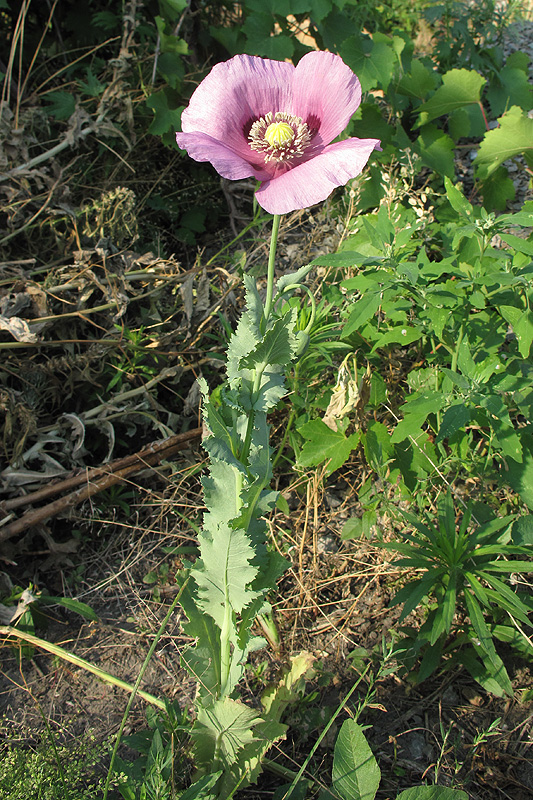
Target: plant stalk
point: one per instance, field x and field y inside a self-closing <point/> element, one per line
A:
<point x="271" y="263"/>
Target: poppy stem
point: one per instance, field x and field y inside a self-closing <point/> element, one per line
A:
<point x="271" y="262"/>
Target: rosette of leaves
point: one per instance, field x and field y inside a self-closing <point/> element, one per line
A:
<point x="461" y="584"/>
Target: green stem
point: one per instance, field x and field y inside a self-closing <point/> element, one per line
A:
<point x="225" y="647"/>
<point x="271" y="262"/>
<point x="266" y="314"/>
<point x="243" y="458"/>
<point x="456" y="351"/>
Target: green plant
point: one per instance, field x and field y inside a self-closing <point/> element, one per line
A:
<point x="446" y="309"/>
<point x="466" y="600"/>
<point x="53" y="771"/>
<point x="356" y="775"/>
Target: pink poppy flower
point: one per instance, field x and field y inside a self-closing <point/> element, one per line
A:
<point x="268" y="119"/>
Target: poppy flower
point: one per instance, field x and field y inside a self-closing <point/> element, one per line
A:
<point x="271" y="120"/>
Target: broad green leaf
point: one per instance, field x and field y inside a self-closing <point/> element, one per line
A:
<point x="436" y="150"/>
<point x="517" y="243"/>
<point x="169" y="42"/>
<point x="522" y="323"/>
<point x="166" y="117"/>
<point x="324" y="445"/>
<point x="261" y="40"/>
<point x="418" y="82"/>
<point x="509" y="88"/>
<point x="416" y="411"/>
<point x="457" y="200"/>
<point x="520" y="475"/>
<point x="432" y="793"/>
<point x="513" y="137"/>
<point x="455" y="418"/>
<point x="363" y="310"/>
<point x="522" y="530"/>
<point x="172" y="9"/>
<point x="401" y="334"/>
<point x="460" y="87"/>
<point x="372" y="60"/>
<point x="377" y="444"/>
<point x="355" y="774"/>
<point x="466" y="122"/>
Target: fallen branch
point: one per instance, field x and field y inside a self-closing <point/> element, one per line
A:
<point x="95" y="480"/>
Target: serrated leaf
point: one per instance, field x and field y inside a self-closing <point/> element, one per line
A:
<point x="241" y="344"/>
<point x="248" y="763"/>
<point x="61" y="105"/>
<point x="355" y="774"/>
<point x="222" y="488"/>
<point x="418" y="82"/>
<point x="277" y="346"/>
<point x="224" y="572"/>
<point x="166" y="116"/>
<point x="202" y="659"/>
<point x="497" y="190"/>
<point x="324" y="445"/>
<point x="510" y="87"/>
<point x="224" y="727"/>
<point x="460" y="87"/>
<point x="513" y="137"/>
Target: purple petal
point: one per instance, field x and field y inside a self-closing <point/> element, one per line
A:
<point x="235" y="93"/>
<point x="312" y="181"/>
<point x="227" y="163"/>
<point x="326" y="90"/>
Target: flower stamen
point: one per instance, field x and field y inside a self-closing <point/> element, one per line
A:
<point x="280" y="137"/>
